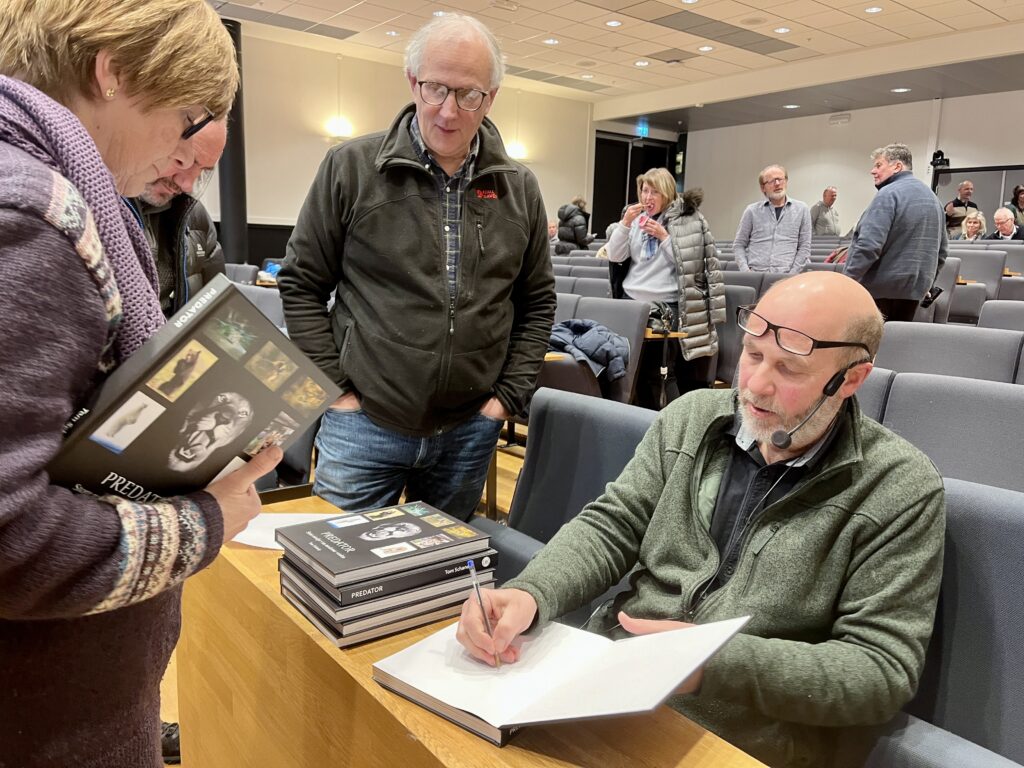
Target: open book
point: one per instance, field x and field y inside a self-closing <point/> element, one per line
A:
<point x="563" y="673"/>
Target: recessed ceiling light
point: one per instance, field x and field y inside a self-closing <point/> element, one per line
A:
<point x="391" y="33"/>
<point x="873" y="9"/>
<point x="613" y="23"/>
<point x="586" y="76"/>
<point x="439" y="13"/>
<point x="781" y="30"/>
<point x="791" y="106"/>
<point x="706" y="48"/>
<point x="551" y="41"/>
<point x="689" y="2"/>
<point x="641" y="63"/>
<point x="899" y="90"/>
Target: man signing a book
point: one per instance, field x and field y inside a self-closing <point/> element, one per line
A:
<point x="432" y="242"/>
<point x="781" y="500"/>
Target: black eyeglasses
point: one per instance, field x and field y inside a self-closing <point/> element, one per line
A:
<point x="197" y="126"/>
<point x="790" y="340"/>
<point x="467" y="99"/>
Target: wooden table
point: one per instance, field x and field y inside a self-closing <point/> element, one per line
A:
<point x="260" y="686"/>
<point x="650" y="335"/>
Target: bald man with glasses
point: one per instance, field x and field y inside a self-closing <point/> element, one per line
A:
<point x="433" y="243"/>
<point x="779" y="500"/>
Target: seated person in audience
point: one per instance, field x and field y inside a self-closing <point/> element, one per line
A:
<point x="1006" y="227"/>
<point x="553" y="232"/>
<point x="780" y="501"/>
<point x="959" y="206"/>
<point x="1016" y="204"/>
<point x="573" y="227"/>
<point x="973" y="227"/>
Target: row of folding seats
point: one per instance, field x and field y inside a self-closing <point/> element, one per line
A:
<point x="991" y="354"/>
<point x="970" y="701"/>
<point x="584" y="286"/>
<point x="600" y="270"/>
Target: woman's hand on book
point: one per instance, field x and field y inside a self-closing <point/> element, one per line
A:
<point x="510" y="611"/>
<point x="235" y="493"/>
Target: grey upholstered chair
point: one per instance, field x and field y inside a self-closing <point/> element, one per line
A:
<point x="751" y="279"/>
<point x="874" y="392"/>
<point x="267" y="301"/>
<point x="595" y="287"/>
<point x="1002" y="314"/>
<point x="729" y="334"/>
<point x="577" y="445"/>
<point x="951" y="350"/>
<point x="971" y="429"/>
<point x="564" y="283"/>
<point x="971" y="696"/>
<point x="565" y="308"/>
<point x="241" y="273"/>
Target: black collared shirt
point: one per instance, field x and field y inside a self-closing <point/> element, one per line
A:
<point x="749" y="485"/>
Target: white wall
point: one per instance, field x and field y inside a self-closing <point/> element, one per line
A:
<point x="290" y="92"/>
<point x="972" y="131"/>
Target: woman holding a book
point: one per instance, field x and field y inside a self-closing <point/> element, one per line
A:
<point x="97" y="99"/>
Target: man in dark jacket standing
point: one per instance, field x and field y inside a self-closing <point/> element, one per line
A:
<point x="899" y="245"/>
<point x="178" y="228"/>
<point x="434" y="244"/>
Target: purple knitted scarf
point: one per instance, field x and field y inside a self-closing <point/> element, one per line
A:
<point x="36" y="124"/>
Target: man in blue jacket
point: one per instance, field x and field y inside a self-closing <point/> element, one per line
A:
<point x="900" y="242"/>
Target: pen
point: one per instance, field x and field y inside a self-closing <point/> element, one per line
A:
<point x="480" y="602"/>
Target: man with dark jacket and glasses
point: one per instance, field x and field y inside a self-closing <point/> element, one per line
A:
<point x="779" y="500"/>
<point x="433" y="243"/>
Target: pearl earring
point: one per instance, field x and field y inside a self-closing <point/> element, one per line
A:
<point x="111" y="92"/>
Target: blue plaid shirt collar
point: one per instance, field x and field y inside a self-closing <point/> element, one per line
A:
<point x="424" y="156"/>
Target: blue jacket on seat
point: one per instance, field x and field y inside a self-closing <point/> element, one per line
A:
<point x="590" y="342"/>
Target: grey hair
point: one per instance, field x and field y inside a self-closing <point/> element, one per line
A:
<point x="832" y="189"/>
<point x="454" y="26"/>
<point x="760" y="176"/>
<point x="961" y="184"/>
<point x="894" y="152"/>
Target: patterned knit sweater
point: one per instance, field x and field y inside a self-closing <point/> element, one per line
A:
<point x="89" y="587"/>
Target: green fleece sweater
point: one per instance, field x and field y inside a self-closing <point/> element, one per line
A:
<point x="840" y="577"/>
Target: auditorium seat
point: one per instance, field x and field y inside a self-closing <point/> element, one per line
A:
<point x="564" y="283"/>
<point x="951" y="350"/>
<point x="971" y="429"/>
<point x="750" y="279"/>
<point x="938" y="312"/>
<point x="241" y="273"/>
<point x="602" y="289"/>
<point x="577" y="445"/>
<point x="729" y="334"/>
<point x="599" y="270"/>
<point x="1002" y="314"/>
<point x="565" y="308"/>
<point x="267" y="301"/>
<point x="587" y="261"/>
<point x="561" y="269"/>
<point x="874" y="392"/>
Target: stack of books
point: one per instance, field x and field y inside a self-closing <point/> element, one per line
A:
<point x="366" y="575"/>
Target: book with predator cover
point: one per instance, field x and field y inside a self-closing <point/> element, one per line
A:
<point x="396" y="605"/>
<point x="563" y="673"/>
<point x="343" y="641"/>
<point x="354" y="625"/>
<point x="217" y="383"/>
<point x="424" y="577"/>
<point x="357" y="546"/>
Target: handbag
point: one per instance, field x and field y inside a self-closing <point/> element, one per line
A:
<point x="661" y="319"/>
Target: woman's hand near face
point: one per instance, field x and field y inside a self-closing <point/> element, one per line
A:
<point x="654" y="229"/>
<point x="631" y="213"/>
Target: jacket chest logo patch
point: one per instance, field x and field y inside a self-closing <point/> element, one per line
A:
<point x="486" y="194"/>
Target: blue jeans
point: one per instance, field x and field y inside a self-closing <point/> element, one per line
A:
<point x="363" y="466"/>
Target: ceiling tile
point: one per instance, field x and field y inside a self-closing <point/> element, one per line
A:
<point x="612" y="5"/>
<point x="271" y="6"/>
<point x="714" y="66"/>
<point x="307" y="13"/>
<point x="823" y="42"/>
<point x="829" y="18"/>
<point x="1010" y="10"/>
<point x="740" y="38"/>
<point x="334" y="6"/>
<point x="404" y="6"/>
<point x="799" y="10"/>
<point x="768" y="46"/>
<point x="745" y="59"/>
<point x="243" y="12"/>
<point x="795" y="54"/>
<point x="351" y="22"/>
<point x="672" y="54"/>
<point x="326" y="30"/>
<point x="726" y="9"/>
<point x="677" y="39"/>
<point x="927" y="28"/>
<point x="648" y="10"/>
<point x="371" y="12"/>
<point x="965" y="14"/>
<point x="577" y="11"/>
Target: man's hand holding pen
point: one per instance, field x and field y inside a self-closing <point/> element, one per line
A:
<point x="510" y="612"/>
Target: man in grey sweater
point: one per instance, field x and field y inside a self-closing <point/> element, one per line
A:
<point x="781" y="501"/>
<point x="900" y="243"/>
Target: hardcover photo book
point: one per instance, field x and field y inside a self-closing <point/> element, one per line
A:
<point x="355" y="547"/>
<point x="216" y="384"/>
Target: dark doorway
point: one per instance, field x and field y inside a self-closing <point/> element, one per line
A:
<point x="618" y="160"/>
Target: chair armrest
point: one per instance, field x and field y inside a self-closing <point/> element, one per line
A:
<point x="569" y="376"/>
<point x="907" y="742"/>
<point x="965" y="303"/>
<point x="515" y="549"/>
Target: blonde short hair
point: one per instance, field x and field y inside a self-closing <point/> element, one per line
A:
<point x="974" y="215"/>
<point x="661" y="181"/>
<point x="168" y="53"/>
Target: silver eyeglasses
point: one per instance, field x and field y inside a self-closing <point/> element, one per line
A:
<point x="467" y="99"/>
<point x="796" y="342"/>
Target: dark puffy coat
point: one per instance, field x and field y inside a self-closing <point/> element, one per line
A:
<point x="573" y="223"/>
<point x="590" y="342"/>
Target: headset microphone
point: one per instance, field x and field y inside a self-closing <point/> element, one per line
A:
<point x="782" y="439"/>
